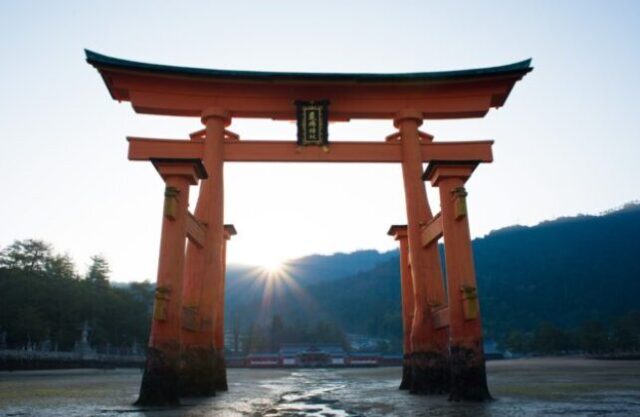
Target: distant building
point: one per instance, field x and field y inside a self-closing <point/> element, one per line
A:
<point x="365" y="359"/>
<point x="318" y="355"/>
<point x="314" y="356"/>
<point x="263" y="360"/>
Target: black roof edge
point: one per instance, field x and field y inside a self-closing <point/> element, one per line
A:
<point x="99" y="60"/>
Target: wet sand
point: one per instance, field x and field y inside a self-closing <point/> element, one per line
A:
<point x="531" y="387"/>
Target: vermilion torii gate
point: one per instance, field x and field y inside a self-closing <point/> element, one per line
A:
<point x="443" y="334"/>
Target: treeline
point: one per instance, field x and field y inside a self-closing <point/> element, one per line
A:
<point x="269" y="338"/>
<point x="46" y="302"/>
<point x="593" y="337"/>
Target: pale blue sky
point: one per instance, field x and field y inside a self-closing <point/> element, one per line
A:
<point x="567" y="140"/>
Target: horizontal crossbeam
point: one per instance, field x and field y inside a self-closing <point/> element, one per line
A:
<point x="195" y="230"/>
<point x="263" y="103"/>
<point x="432" y="231"/>
<point x="141" y="149"/>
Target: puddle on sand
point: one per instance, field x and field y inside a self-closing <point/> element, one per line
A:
<point x="311" y="396"/>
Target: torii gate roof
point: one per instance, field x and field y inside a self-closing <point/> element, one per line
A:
<point x="184" y="91"/>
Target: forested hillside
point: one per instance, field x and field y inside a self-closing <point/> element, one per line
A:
<point x="565" y="271"/>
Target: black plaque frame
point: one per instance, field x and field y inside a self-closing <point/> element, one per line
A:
<point x="313" y="122"/>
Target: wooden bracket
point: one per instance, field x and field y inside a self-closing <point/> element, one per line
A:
<point x="470" y="302"/>
<point x="190" y="318"/>
<point x="161" y="303"/>
<point x="171" y="202"/>
<point x="440" y="317"/>
<point x="460" y="201"/>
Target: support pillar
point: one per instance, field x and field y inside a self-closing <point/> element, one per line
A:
<point x="468" y="373"/>
<point x="229" y="230"/>
<point x="429" y="357"/>
<point x="406" y="285"/>
<point x="202" y="366"/>
<point x="161" y="373"/>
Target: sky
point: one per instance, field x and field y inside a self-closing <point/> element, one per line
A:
<point x="566" y="142"/>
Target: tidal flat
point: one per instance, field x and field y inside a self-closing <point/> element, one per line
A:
<point x="525" y="387"/>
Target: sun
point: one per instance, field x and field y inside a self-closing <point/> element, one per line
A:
<point x="272" y="267"/>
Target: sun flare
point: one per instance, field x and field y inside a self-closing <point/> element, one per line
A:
<point x="272" y="267"/>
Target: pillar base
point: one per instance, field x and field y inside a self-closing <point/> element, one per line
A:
<point x="430" y="373"/>
<point x="160" y="384"/>
<point x="468" y="374"/>
<point x="220" y="373"/>
<point x="197" y="372"/>
<point x="405" y="384"/>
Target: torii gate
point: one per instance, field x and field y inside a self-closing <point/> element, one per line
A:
<point x="443" y="334"/>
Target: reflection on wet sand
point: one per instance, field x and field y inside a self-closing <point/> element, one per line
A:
<point x="532" y="387"/>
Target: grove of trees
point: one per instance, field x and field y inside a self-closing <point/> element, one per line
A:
<point x="593" y="337"/>
<point x="45" y="301"/>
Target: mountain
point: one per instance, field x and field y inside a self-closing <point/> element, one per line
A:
<point x="246" y="286"/>
<point x="563" y="271"/>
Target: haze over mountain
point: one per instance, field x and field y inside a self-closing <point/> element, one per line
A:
<point x="251" y="295"/>
<point x="563" y="271"/>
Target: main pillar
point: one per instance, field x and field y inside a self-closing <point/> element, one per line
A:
<point x="429" y="357"/>
<point x="468" y="374"/>
<point x="161" y="373"/>
<point x="406" y="286"/>
<point x="203" y="370"/>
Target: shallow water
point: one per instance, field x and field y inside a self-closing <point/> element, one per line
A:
<point x="537" y="387"/>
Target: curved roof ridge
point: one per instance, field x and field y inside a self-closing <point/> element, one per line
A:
<point x="97" y="59"/>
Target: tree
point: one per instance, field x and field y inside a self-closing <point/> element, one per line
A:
<point x="60" y="266"/>
<point x="550" y="339"/>
<point x="30" y="326"/>
<point x="593" y="337"/>
<point x="256" y="340"/>
<point x="30" y="255"/>
<point x="276" y="332"/>
<point x="99" y="271"/>
<point x="626" y="333"/>
<point x="517" y="342"/>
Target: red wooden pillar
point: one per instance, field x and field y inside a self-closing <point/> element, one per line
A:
<point x="429" y="354"/>
<point x="406" y="285"/>
<point x="203" y="370"/>
<point x="468" y="374"/>
<point x="229" y="230"/>
<point x="161" y="374"/>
